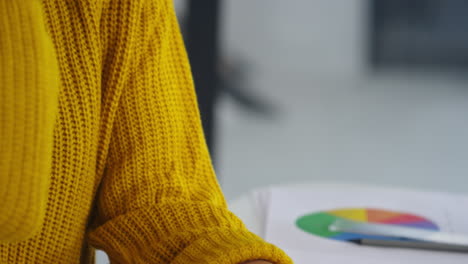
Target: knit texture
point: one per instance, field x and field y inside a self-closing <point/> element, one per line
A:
<point x="28" y="106"/>
<point x="131" y="173"/>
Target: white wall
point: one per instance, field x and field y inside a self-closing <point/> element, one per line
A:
<point x="335" y="122"/>
<point x="328" y="36"/>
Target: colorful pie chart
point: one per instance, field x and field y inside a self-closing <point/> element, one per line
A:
<point x="317" y="223"/>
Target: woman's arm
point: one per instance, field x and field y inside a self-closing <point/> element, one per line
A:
<point x="159" y="200"/>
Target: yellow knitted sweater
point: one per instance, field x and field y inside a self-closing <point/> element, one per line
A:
<point x="130" y="171"/>
<point x="28" y="108"/>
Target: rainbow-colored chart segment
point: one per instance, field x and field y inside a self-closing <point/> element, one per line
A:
<point x="318" y="223"/>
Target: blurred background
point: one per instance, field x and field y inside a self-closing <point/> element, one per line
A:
<point x="360" y="91"/>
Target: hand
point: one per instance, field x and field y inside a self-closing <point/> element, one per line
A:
<point x="257" y="262"/>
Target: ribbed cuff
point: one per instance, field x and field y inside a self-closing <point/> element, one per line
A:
<point x="182" y="233"/>
<point x="231" y="247"/>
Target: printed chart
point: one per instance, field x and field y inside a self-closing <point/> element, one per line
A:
<point x="318" y="223"/>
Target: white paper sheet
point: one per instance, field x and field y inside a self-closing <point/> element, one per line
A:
<point x="262" y="205"/>
<point x="286" y="205"/>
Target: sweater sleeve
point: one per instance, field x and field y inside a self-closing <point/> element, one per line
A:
<point x="159" y="200"/>
<point x="28" y="107"/>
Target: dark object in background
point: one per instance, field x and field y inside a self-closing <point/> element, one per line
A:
<point x="419" y="33"/>
<point x="201" y="38"/>
<point x="215" y="75"/>
<point x="233" y="75"/>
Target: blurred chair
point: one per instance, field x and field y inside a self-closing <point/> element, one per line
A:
<point x="214" y="74"/>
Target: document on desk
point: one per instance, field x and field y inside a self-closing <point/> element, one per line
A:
<point x="297" y="220"/>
